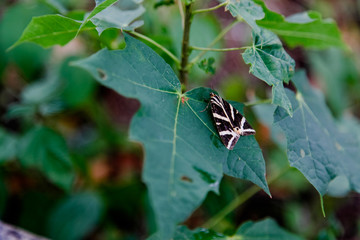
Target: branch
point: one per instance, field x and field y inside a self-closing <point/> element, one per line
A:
<point x="185" y="45"/>
<point x="218" y="38"/>
<point x="257" y="102"/>
<point x="218" y="49"/>
<point x="210" y="9"/>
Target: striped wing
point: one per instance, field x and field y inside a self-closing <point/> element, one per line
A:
<point x="229" y="122"/>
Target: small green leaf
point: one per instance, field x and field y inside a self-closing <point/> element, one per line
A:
<point x="49" y="30"/>
<point x="46" y="150"/>
<point x="248" y="10"/>
<point x="316" y="145"/>
<point x="207" y="65"/>
<point x="304" y="29"/>
<point x="75" y="216"/>
<point x="179" y="137"/>
<point x="270" y="62"/>
<point x="160" y="3"/>
<point x="8" y="143"/>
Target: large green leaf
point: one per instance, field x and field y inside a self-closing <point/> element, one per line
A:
<point x="316" y="145"/>
<point x="270" y="62"/>
<point x="248" y="10"/>
<point x="46" y="150"/>
<point x="266" y="229"/>
<point x="183" y="151"/>
<point x="305" y="29"/>
<point x="75" y="216"/>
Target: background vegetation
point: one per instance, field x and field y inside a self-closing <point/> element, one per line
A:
<point x="69" y="171"/>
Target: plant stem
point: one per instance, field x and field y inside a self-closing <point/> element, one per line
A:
<point x="218" y="49"/>
<point x="261" y="101"/>
<point x="209" y="9"/>
<point x="185" y="45"/>
<point x="181" y="10"/>
<point x="217" y="38"/>
<point x="240" y="200"/>
<point x="172" y="56"/>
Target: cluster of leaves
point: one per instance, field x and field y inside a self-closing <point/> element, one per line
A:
<point x="185" y="158"/>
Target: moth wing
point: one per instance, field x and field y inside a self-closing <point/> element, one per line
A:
<point x="223" y="121"/>
<point x="243" y="125"/>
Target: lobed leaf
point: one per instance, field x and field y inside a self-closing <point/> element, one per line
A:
<point x="184" y="154"/>
<point x="305" y="29"/>
<point x="248" y="10"/>
<point x="270" y="62"/>
<point x="46" y="150"/>
<point x="315" y="144"/>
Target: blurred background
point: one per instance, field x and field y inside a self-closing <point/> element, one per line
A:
<point x="97" y="193"/>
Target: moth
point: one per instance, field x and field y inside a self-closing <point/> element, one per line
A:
<point x="229" y="122"/>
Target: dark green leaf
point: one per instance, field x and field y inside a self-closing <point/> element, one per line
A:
<point x="8" y="143"/>
<point x="270" y="62"/>
<point x="248" y="10"/>
<point x="305" y="29"/>
<point x="316" y="145"/>
<point x="160" y="3"/>
<point x="179" y="137"/>
<point x="29" y="57"/>
<point x="46" y="150"/>
<point x="75" y="217"/>
<point x="263" y="230"/>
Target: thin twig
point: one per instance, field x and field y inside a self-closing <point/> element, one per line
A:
<point x="218" y="49"/>
<point x="181" y="10"/>
<point x="240" y="200"/>
<point x="209" y="9"/>
<point x="217" y="38"/>
<point x="172" y="56"/>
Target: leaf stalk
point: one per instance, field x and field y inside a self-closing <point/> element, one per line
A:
<point x="218" y="49"/>
<point x="210" y="9"/>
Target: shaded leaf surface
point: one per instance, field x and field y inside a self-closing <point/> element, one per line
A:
<point x="316" y="146"/>
<point x="266" y="229"/>
<point x="8" y="144"/>
<point x="183" y="151"/>
<point x="46" y="150"/>
<point x="306" y="29"/>
<point x="117" y="17"/>
<point x="270" y="62"/>
<point x="75" y="217"/>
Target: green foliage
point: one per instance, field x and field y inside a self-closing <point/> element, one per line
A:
<point x="265" y="229"/>
<point x="168" y="140"/>
<point x="75" y="216"/>
<point x="305" y="29"/>
<point x="270" y="62"/>
<point x="46" y="150"/>
<point x="315" y="144"/>
<point x="59" y="127"/>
